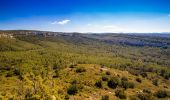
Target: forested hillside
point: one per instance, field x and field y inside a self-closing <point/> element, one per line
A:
<point x="44" y="65"/>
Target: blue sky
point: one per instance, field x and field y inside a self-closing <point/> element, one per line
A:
<point x="86" y="15"/>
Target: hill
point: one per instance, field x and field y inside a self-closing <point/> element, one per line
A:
<point x="57" y="65"/>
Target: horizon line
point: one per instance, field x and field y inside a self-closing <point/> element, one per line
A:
<point x="84" y="32"/>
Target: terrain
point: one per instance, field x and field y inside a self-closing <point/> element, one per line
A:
<point x="46" y="65"/>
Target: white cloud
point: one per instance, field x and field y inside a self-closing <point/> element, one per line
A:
<point x="63" y="22"/>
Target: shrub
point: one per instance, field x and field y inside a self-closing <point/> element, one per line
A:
<point x="73" y="65"/>
<point x="139" y="80"/>
<point x="145" y="96"/>
<point x="105" y="97"/>
<point x="74" y="82"/>
<point x="108" y="73"/>
<point x="163" y="94"/>
<point x="17" y="71"/>
<point x="9" y="74"/>
<point x="155" y="82"/>
<point x="30" y="96"/>
<point x="124" y="79"/>
<point x="147" y="91"/>
<point x="72" y="90"/>
<point x="126" y="84"/>
<point x="56" y="74"/>
<point x="121" y="94"/>
<point x="80" y="70"/>
<point x="55" y="66"/>
<point x="114" y="82"/>
<point x="134" y="97"/>
<point x="98" y="84"/>
<point x="144" y="74"/>
<point x="67" y="97"/>
<point x="104" y="78"/>
<point x="131" y="84"/>
<point x="165" y="74"/>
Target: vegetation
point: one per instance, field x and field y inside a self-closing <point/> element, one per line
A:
<point x="163" y="94"/>
<point x="121" y="94"/>
<point x="98" y="84"/>
<point x="139" y="80"/>
<point x="105" y="97"/>
<point x="114" y="82"/>
<point x="73" y="89"/>
<point x="84" y="66"/>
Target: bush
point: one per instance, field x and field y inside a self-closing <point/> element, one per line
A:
<point x="72" y="90"/>
<point x="9" y="74"/>
<point x="124" y="79"/>
<point x="147" y="91"/>
<point x="98" y="84"/>
<point x="56" y="74"/>
<point x="108" y="73"/>
<point x="67" y="97"/>
<point x="126" y="84"/>
<point x="165" y="74"/>
<point x="155" y="82"/>
<point x="17" y="71"/>
<point x="163" y="94"/>
<point x="73" y="65"/>
<point x="74" y="82"/>
<point x="134" y="97"/>
<point x="30" y="96"/>
<point x="131" y="84"/>
<point x="121" y="94"/>
<point x="145" y="96"/>
<point x="80" y="70"/>
<point x="144" y="74"/>
<point x="114" y="82"/>
<point x="139" y="80"/>
<point x="104" y="78"/>
<point x="105" y="97"/>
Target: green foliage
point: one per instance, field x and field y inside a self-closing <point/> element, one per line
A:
<point x="105" y="97"/>
<point x="145" y="96"/>
<point x="144" y="74"/>
<point x="155" y="82"/>
<point x="126" y="84"/>
<point x="99" y="84"/>
<point x="114" y="82"/>
<point x="72" y="90"/>
<point x="80" y="70"/>
<point x="139" y="80"/>
<point x="124" y="78"/>
<point x="105" y="78"/>
<point x="165" y="74"/>
<point x="163" y="94"/>
<point x="32" y="66"/>
<point x="108" y="73"/>
<point x="121" y="94"/>
<point x="56" y="74"/>
<point x="67" y="97"/>
<point x="134" y="97"/>
<point x="147" y="91"/>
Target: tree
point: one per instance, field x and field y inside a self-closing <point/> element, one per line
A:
<point x="114" y="82"/>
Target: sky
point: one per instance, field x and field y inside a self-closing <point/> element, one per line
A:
<point x="86" y="15"/>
